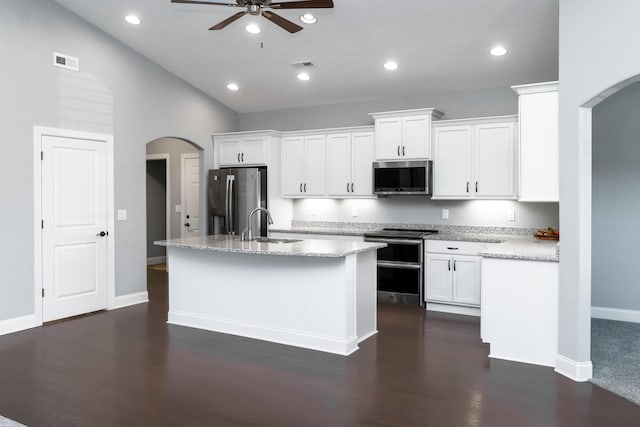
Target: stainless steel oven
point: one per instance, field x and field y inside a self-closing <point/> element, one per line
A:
<point x="400" y="265"/>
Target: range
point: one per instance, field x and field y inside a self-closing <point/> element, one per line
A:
<point x="400" y="264"/>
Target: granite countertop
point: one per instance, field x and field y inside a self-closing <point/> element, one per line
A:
<point x="510" y="243"/>
<point x="303" y="248"/>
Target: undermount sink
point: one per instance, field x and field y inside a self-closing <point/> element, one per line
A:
<point x="274" y="240"/>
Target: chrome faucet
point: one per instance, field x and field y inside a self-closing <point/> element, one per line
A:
<point x="249" y="229"/>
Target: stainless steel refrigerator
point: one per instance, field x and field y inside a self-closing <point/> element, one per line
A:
<point x="232" y="194"/>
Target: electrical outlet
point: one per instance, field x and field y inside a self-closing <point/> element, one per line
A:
<point x="511" y="215"/>
<point x="122" y="214"/>
<point x="445" y="213"/>
<point x="354" y="212"/>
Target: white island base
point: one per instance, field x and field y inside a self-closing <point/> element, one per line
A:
<point x="320" y="303"/>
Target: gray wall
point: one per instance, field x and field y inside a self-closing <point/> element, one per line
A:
<point x="616" y="180"/>
<point x="175" y="148"/>
<point x="455" y="105"/>
<point x="420" y="210"/>
<point x="134" y="99"/>
<point x="156" y="206"/>
<point x="590" y="64"/>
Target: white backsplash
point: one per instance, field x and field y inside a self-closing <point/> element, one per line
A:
<point x="421" y="210"/>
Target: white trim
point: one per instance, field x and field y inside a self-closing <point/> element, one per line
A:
<point x="515" y="359"/>
<point x="454" y="309"/>
<point x="156" y="260"/>
<point x="16" y="324"/>
<point x="130" y="299"/>
<point x="536" y="88"/>
<point x="38" y="133"/>
<point x="280" y="336"/>
<point x="577" y="371"/>
<point x="183" y="179"/>
<point x="619" y="314"/>
<point x="167" y="160"/>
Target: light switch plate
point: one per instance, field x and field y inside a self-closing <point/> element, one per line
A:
<point x="178" y="208"/>
<point x="445" y="213"/>
<point x="511" y="215"/>
<point x="354" y="212"/>
<point x="122" y="214"/>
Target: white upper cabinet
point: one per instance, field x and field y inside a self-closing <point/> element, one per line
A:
<point x="241" y="150"/>
<point x="404" y="135"/>
<point x="303" y="164"/>
<point x="475" y="158"/>
<point x="349" y="164"/>
<point x="539" y="142"/>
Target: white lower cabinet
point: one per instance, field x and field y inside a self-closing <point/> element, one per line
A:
<point x="452" y="272"/>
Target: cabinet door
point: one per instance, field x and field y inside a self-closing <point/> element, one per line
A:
<point x="314" y="165"/>
<point x="415" y="137"/>
<point x="539" y="170"/>
<point x="339" y="164"/>
<point x="494" y="161"/>
<point x="388" y="138"/>
<point x="451" y="164"/>
<point x="362" y="163"/>
<point x="292" y="166"/>
<point x="438" y="278"/>
<point x="253" y="151"/>
<point x="466" y="280"/>
<point x="229" y="151"/>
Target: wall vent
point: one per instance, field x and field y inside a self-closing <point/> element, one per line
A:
<point x="303" y="64"/>
<point x="66" y="61"/>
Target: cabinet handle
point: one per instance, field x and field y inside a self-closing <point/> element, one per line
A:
<point x="454" y="265"/>
<point x="347" y="187"/>
<point x="398" y="151"/>
<point x="352" y="187"/>
<point x="452" y="248"/>
<point x="242" y="157"/>
<point x="238" y="157"/>
<point x="305" y="187"/>
<point x="449" y="265"/>
<point x="301" y="187"/>
<point x="467" y="186"/>
<point x="403" y="150"/>
<point x="476" y="186"/>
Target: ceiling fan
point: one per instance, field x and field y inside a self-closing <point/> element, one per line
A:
<point x="257" y="7"/>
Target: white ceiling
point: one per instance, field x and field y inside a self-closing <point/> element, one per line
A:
<point x="441" y="46"/>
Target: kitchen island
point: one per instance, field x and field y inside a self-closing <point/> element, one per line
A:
<point x="315" y="294"/>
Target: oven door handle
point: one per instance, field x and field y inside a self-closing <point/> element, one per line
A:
<point x="401" y="265"/>
<point x="394" y="241"/>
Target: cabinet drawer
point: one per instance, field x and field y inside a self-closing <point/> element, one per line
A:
<point x="455" y="247"/>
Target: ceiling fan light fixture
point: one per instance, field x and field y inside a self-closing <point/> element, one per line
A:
<point x="232" y="86"/>
<point x="252" y="28"/>
<point x="304" y="76"/>
<point x="132" y="19"/>
<point x="498" y="51"/>
<point x="308" y="18"/>
<point x="391" y="65"/>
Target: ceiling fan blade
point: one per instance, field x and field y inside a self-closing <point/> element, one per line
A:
<point x="228" y="21"/>
<point x="302" y="4"/>
<point x="281" y="22"/>
<point x="203" y="2"/>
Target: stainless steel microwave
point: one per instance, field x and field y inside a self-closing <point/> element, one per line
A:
<point x="409" y="177"/>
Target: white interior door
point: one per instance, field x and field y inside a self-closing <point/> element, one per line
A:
<point x="74" y="213"/>
<point x="191" y="195"/>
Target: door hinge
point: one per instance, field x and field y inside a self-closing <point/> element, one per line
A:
<point x="42" y="292"/>
<point x="42" y="224"/>
<point x="42" y="155"/>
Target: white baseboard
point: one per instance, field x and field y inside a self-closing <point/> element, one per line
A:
<point x="619" y="314"/>
<point x="156" y="260"/>
<point x="521" y="360"/>
<point x="577" y="371"/>
<point x="17" y="324"/>
<point x="454" y="309"/>
<point x="130" y="299"/>
<point x="280" y="336"/>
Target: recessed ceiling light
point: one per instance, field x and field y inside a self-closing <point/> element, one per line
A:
<point x="132" y="19"/>
<point x="308" y="18"/>
<point x="391" y="65"/>
<point x="498" y="51"/>
<point x="252" y="28"/>
<point x="304" y="76"/>
<point x="233" y="86"/>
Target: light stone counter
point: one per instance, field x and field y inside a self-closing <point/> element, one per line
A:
<point x="303" y="248"/>
<point x="524" y="249"/>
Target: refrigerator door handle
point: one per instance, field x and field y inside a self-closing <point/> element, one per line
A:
<point x="231" y="226"/>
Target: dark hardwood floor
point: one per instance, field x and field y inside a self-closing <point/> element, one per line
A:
<point x="128" y="367"/>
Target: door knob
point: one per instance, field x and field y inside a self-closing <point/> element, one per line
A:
<point x="187" y="225"/>
<point x="187" y="216"/>
<point x="103" y="233"/>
